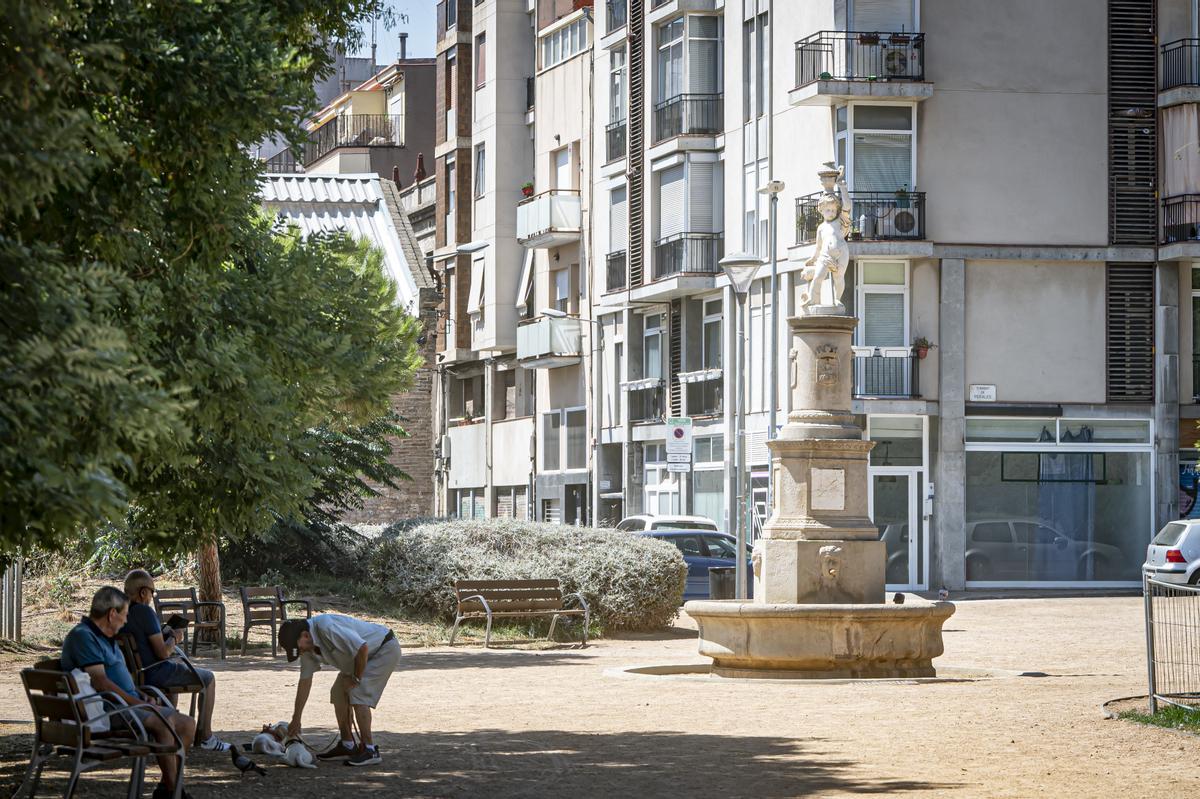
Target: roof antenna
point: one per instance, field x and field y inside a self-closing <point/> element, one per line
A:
<point x="374" y="20"/>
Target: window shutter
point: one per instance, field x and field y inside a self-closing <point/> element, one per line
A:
<point x="882" y="15"/>
<point x="670" y="201"/>
<point x="551" y="512"/>
<point x="882" y="161"/>
<point x="618" y="221"/>
<point x="520" y="504"/>
<point x="1129" y="296"/>
<point x="883" y="320"/>
<point x="504" y="504"/>
<point x="702" y="195"/>
<point x="1132" y="139"/>
<point x="703" y="59"/>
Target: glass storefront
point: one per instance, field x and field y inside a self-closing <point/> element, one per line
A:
<point x="1057" y="500"/>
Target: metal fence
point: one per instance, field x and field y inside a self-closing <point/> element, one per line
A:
<point x="860" y="55"/>
<point x="1180" y="64"/>
<point x="1172" y="643"/>
<point x="10" y="602"/>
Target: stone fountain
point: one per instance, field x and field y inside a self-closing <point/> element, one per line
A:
<point x="819" y="608"/>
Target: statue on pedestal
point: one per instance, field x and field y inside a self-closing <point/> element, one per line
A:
<point x="831" y="254"/>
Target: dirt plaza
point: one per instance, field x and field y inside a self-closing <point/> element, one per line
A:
<point x="532" y="720"/>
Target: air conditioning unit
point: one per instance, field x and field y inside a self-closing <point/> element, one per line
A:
<point x="895" y="62"/>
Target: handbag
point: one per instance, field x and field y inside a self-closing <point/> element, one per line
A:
<point x="93" y="703"/>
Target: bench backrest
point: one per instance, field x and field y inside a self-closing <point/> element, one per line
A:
<point x="176" y="600"/>
<point x="259" y="595"/>
<point x="58" y="718"/>
<point x="509" y="595"/>
<point x="133" y="659"/>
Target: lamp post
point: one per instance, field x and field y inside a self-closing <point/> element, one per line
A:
<point x="740" y="269"/>
<point x="772" y="190"/>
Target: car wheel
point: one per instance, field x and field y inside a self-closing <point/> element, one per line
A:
<point x="1195" y="578"/>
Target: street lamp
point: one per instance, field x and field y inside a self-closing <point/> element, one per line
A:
<point x="772" y="190"/>
<point x="740" y="269"/>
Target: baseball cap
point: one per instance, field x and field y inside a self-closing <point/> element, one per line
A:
<point x="289" y="637"/>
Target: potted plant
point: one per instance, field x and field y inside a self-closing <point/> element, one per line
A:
<point x="921" y="346"/>
<point x="902" y="196"/>
<point x="899" y="39"/>
<point x="855" y="233"/>
<point x="868" y="38"/>
<point x="527" y="188"/>
<point x="825" y="76"/>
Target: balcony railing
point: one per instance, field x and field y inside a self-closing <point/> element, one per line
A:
<point x="1180" y="64"/>
<point x="879" y="375"/>
<point x="618" y="14"/>
<point x="284" y="162"/>
<point x="530" y="92"/>
<point x="354" y="130"/>
<point x="860" y="55"/>
<point x="688" y="114"/>
<point x="646" y="402"/>
<point x="1181" y="218"/>
<point x="615" y="136"/>
<point x="615" y="278"/>
<point x="549" y="341"/>
<point x="688" y="253"/>
<point x="874" y="216"/>
<point x="704" y="392"/>
<point x="549" y="219"/>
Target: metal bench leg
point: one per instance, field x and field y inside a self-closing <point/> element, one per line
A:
<point x="76" y="770"/>
<point x="245" y="636"/>
<point x="33" y="775"/>
<point x="487" y="638"/>
<point x="553" y="624"/>
<point x="587" y="620"/>
<point x="454" y="629"/>
<point x="274" y="640"/>
<point x="136" y="776"/>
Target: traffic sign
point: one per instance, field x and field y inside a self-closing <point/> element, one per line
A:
<point x="679" y="467"/>
<point x="679" y="435"/>
<point x="679" y="457"/>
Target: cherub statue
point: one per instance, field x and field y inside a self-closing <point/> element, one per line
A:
<point x="831" y="255"/>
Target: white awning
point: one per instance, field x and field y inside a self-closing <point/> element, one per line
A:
<point x="475" y="298"/>
<point x="525" y="286"/>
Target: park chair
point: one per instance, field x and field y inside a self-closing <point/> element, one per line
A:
<point x="133" y="661"/>
<point x="266" y="605"/>
<point x="61" y="729"/>
<point x="183" y="601"/>
<point x="486" y="599"/>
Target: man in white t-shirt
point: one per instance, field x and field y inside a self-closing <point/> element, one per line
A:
<point x="365" y="655"/>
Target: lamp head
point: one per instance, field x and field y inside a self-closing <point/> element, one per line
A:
<point x="740" y="268"/>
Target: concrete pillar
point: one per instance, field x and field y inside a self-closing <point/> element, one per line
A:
<point x="950" y="476"/>
<point x="1166" y="390"/>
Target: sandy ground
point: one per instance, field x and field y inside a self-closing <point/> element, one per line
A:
<point x="535" y="722"/>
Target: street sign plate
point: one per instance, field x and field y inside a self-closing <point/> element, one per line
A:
<point x="679" y="457"/>
<point x="679" y="467"/>
<point x="679" y="435"/>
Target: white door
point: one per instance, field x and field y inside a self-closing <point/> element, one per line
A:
<point x="562" y="169"/>
<point x="895" y="509"/>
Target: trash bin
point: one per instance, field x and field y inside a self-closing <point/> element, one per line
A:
<point x="721" y="582"/>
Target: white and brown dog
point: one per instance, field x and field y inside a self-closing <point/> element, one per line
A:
<point x="273" y="741"/>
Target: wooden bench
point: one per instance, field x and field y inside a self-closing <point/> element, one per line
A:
<point x="183" y="601"/>
<point x="488" y="599"/>
<point x="133" y="661"/>
<point x="266" y="605"/>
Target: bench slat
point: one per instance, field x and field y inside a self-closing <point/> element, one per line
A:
<point x="527" y="605"/>
<point x="534" y="593"/>
<point x="471" y="614"/>
<point x="481" y="585"/>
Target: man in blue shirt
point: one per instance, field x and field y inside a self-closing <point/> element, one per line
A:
<point x="91" y="646"/>
<point x="155" y="645"/>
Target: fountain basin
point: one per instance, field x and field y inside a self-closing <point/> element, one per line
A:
<point x="816" y="641"/>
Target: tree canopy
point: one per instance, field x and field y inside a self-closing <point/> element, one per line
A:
<point x="164" y="351"/>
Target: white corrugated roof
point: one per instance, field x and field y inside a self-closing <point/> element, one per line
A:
<point x="350" y="203"/>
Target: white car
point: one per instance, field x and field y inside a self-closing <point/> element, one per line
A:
<point x="637" y="524"/>
<point x="1174" y="554"/>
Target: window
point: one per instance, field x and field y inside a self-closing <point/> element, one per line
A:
<point x="569" y="451"/>
<point x="511" y="503"/>
<point x="448" y="94"/>
<point x="564" y="176"/>
<point x="480" y="171"/>
<point x="617" y="75"/>
<point x="451" y="303"/>
<point x="480" y="60"/>
<point x="672" y="208"/>
<point x="562" y="290"/>
<point x="711" y="343"/>
<point x="670" y="60"/>
<point x="551" y="441"/>
<point x="755" y="58"/>
<point x="618" y="220"/>
<point x="469" y="503"/>
<point x="451" y="13"/>
<point x="451" y="182"/>
<point x="566" y="42"/>
<point x="694" y="70"/>
<point x="876" y="142"/>
<point x="883" y="302"/>
<point x="576" y="439"/>
<point x="652" y="352"/>
<point x="661" y="487"/>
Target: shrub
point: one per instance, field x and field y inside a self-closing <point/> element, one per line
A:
<point x="630" y="582"/>
<point x="293" y="547"/>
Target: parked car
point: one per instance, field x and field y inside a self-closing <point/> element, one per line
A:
<point x="1174" y="554"/>
<point x="636" y="524"/>
<point x="1004" y="549"/>
<point x="702" y="549"/>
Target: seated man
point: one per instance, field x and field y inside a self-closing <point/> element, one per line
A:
<point x="155" y="650"/>
<point x="91" y="645"/>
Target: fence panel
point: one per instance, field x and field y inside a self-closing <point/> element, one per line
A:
<point x="1172" y="643"/>
<point x="10" y="602"/>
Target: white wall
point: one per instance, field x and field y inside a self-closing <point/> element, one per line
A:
<point x="467" y="456"/>
<point x="511" y="442"/>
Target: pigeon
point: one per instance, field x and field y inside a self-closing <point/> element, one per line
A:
<point x="943" y="593"/>
<point x="898" y="598"/>
<point x="244" y="764"/>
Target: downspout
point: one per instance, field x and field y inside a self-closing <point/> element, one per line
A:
<point x="595" y="332"/>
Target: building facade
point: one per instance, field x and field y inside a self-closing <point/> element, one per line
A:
<point x="1024" y="229"/>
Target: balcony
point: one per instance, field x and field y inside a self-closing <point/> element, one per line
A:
<point x="647" y="399"/>
<point x="834" y="66"/>
<point x="1181" y="218"/>
<point x="874" y="216"/>
<point x="1179" y="64"/>
<point x="703" y="392"/>
<point x="614" y="135"/>
<point x="688" y="115"/>
<point x="283" y="162"/>
<point x="891" y="376"/>
<point x="354" y="130"/>
<point x="618" y="14"/>
<point x="549" y="342"/>
<point x="688" y="254"/>
<point x="549" y="219"/>
<point x="615" y="277"/>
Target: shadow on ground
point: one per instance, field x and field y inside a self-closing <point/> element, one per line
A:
<point x="532" y="763"/>
<point x="419" y="660"/>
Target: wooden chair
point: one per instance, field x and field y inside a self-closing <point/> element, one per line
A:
<point x="133" y="661"/>
<point x="266" y="605"/>
<point x="184" y="602"/>
<point x="485" y="599"/>
<point x="61" y="729"/>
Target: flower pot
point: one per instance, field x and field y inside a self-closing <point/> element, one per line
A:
<point x="527" y="191"/>
<point x="868" y="38"/>
<point x="921" y="352"/>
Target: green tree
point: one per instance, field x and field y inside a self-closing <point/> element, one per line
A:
<point x="161" y="347"/>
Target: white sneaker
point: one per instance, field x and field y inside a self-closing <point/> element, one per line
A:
<point x="215" y="744"/>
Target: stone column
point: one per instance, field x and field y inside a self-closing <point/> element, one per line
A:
<point x="950" y="476"/>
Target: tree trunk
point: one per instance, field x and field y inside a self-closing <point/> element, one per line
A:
<point x="209" y="563"/>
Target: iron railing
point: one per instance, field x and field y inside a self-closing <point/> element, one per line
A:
<point x="616" y="272"/>
<point x="879" y="375"/>
<point x="688" y="114"/>
<point x="354" y="130"/>
<point x="1181" y="218"/>
<point x="646" y="404"/>
<point x="284" y="162"/>
<point x="1172" y="643"/>
<point x="1179" y="64"/>
<point x="618" y="14"/>
<point x="860" y="55"/>
<point x="615" y="136"/>
<point x="705" y="397"/>
<point x="874" y="216"/>
<point x="688" y="253"/>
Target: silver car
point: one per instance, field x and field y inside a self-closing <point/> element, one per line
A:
<point x="1174" y="554"/>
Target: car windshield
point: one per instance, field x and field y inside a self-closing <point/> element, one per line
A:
<point x="681" y="525"/>
<point x="1169" y="536"/>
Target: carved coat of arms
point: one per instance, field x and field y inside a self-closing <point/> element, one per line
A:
<point x="827" y="365"/>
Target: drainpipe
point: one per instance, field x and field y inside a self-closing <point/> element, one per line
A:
<point x="595" y="332"/>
